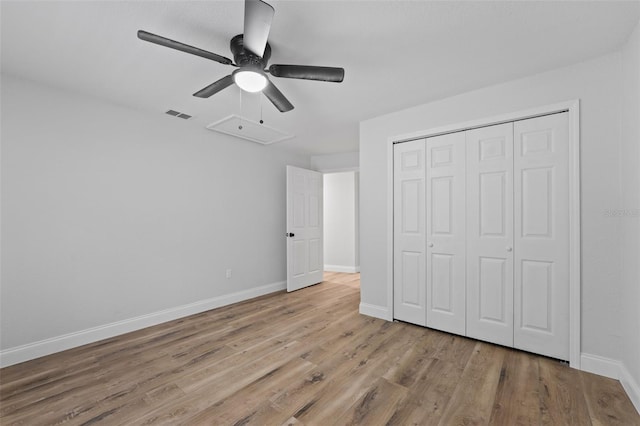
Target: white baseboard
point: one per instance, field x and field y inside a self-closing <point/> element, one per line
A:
<point x="52" y="345"/>
<point x="613" y="369"/>
<point x="376" y="311"/>
<point x="340" y="268"/>
<point x="600" y="365"/>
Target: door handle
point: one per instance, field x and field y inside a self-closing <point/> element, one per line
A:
<point x="430" y="245"/>
<point x="509" y="248"/>
<point x="289" y="234"/>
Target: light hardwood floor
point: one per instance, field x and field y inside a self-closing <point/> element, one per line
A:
<point x="306" y="357"/>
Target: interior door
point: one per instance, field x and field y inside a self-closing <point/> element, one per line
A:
<point x="490" y="234"/>
<point x="445" y="230"/>
<point x="541" y="179"/>
<point x="408" y="232"/>
<point x="304" y="228"/>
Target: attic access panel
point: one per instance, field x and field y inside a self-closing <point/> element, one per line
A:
<point x="243" y="128"/>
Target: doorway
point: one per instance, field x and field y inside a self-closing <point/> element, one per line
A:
<point x="341" y="222"/>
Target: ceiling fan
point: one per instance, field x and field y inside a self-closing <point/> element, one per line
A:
<point x="251" y="53"/>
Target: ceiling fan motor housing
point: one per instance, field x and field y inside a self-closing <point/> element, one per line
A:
<point x="245" y="58"/>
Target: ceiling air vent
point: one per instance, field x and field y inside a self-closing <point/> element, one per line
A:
<point x="243" y="128"/>
<point x="178" y="114"/>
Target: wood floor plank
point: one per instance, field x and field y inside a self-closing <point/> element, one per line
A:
<point x="429" y="395"/>
<point x="456" y="349"/>
<point x="319" y="387"/>
<point x="606" y="402"/>
<point x="242" y="406"/>
<point x="264" y="414"/>
<point x="305" y="357"/>
<point x="415" y="359"/>
<point x="472" y="400"/>
<point x="517" y="396"/>
<point x="314" y="320"/>
<point x="218" y="385"/>
<point x="376" y="406"/>
<point x="367" y="362"/>
<point x="299" y="394"/>
<point x="562" y="400"/>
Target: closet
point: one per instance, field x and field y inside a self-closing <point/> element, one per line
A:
<point x="481" y="233"/>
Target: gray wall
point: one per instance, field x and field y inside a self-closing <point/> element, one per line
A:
<point x="335" y="162"/>
<point x="630" y="205"/>
<point x="110" y="213"/>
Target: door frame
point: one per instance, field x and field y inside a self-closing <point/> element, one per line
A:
<point x="572" y="107"/>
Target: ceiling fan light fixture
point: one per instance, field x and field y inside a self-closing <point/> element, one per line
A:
<point x="250" y="80"/>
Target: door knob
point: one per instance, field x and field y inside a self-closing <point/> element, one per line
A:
<point x="430" y="244"/>
<point x="509" y="248"/>
<point x="289" y="234"/>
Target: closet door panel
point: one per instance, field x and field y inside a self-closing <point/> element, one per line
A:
<point x="445" y="232"/>
<point x="541" y="179"/>
<point x="409" y="232"/>
<point x="490" y="234"/>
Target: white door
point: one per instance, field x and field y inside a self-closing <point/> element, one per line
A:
<point x="490" y="234"/>
<point x="445" y="229"/>
<point x="304" y="228"/>
<point x="541" y="180"/>
<point x="408" y="230"/>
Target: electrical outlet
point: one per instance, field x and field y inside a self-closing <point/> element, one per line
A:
<point x="229" y="273"/>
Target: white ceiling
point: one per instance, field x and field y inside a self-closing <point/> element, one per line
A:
<point x="396" y="54"/>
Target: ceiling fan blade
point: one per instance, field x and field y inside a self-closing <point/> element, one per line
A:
<point x="307" y="72"/>
<point x="214" y="88"/>
<point x="163" y="41"/>
<point x="277" y="98"/>
<point x="257" y="23"/>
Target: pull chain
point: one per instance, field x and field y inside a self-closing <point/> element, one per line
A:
<point x="240" y="126"/>
<point x="261" y="121"/>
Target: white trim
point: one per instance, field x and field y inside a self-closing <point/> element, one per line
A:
<point x="375" y="311"/>
<point x="339" y="170"/>
<point x="390" y="238"/>
<point x="613" y="369"/>
<point x="602" y="366"/>
<point x="341" y="268"/>
<point x="574" y="235"/>
<point x="488" y="121"/>
<point x="573" y="108"/>
<point x="52" y="345"/>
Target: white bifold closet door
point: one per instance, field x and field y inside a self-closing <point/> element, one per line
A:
<point x="408" y="230"/>
<point x="541" y="212"/>
<point x="445" y="230"/>
<point x="518" y="235"/>
<point x="481" y="233"/>
<point x="490" y="234"/>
